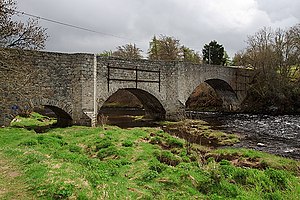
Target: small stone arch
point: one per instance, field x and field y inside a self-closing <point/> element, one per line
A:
<point x="61" y="110"/>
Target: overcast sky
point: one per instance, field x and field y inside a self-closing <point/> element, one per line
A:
<point x="193" y="22"/>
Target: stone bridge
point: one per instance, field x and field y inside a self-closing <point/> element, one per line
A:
<point x="75" y="86"/>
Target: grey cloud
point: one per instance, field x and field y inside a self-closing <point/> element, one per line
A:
<point x="193" y="22"/>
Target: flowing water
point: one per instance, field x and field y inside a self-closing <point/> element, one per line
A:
<point x="274" y="134"/>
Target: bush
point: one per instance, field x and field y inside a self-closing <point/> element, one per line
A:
<point x="240" y="176"/>
<point x="51" y="141"/>
<point x="29" y="142"/>
<point x="155" y="140"/>
<point x="214" y="184"/>
<point x="62" y="191"/>
<point x="120" y="162"/>
<point x="278" y="178"/>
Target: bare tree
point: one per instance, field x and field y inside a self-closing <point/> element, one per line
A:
<point x="274" y="55"/>
<point x="28" y="35"/>
<point x="164" y="48"/>
<point x="189" y="55"/>
<point x="128" y="51"/>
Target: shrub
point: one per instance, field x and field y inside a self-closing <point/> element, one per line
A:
<point x="278" y="177"/>
<point x="29" y="142"/>
<point x="51" y="141"/>
<point x="155" y="165"/>
<point x="120" y="162"/>
<point x="240" y="176"/>
<point x="62" y="191"/>
<point x="155" y="140"/>
<point x="33" y="158"/>
<point x="225" y="162"/>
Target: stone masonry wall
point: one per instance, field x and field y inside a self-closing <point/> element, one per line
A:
<point x="114" y="69"/>
<point x="69" y="81"/>
<point x="32" y="79"/>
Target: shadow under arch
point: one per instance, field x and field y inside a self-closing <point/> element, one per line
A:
<point x="153" y="107"/>
<point x="63" y="118"/>
<point x="126" y="103"/>
<point x="61" y="110"/>
<point x="224" y="92"/>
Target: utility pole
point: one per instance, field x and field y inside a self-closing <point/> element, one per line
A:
<point x="209" y="55"/>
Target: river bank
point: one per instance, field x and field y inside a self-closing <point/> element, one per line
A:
<point x="279" y="134"/>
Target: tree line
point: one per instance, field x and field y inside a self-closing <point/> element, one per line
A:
<point x="168" y="48"/>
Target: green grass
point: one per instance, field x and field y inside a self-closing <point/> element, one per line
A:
<point x="12" y="183"/>
<point x="200" y="130"/>
<point x="142" y="163"/>
<point x="34" y="120"/>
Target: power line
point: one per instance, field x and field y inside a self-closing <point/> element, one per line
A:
<point x="73" y="26"/>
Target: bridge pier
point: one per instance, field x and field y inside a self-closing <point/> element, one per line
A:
<point x="175" y="115"/>
<point x="175" y="111"/>
<point x="93" y="118"/>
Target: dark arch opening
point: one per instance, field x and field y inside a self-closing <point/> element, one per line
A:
<point x="63" y="118"/>
<point x="127" y="104"/>
<point x="212" y="95"/>
<point x="41" y="118"/>
<point x="153" y="107"/>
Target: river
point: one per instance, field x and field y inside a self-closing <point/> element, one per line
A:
<point x="278" y="135"/>
<point x="274" y="134"/>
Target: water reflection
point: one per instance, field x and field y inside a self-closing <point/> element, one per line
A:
<point x="127" y="117"/>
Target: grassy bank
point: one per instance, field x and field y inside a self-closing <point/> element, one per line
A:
<point x="141" y="163"/>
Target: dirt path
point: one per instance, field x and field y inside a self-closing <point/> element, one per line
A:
<point x="12" y="186"/>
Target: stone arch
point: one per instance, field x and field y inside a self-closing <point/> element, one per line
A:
<point x="152" y="105"/>
<point x="61" y="110"/>
<point x="224" y="91"/>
